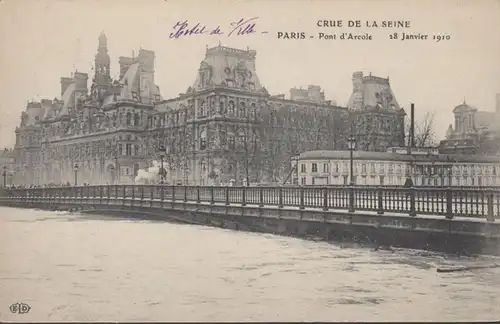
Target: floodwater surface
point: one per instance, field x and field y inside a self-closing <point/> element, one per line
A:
<point x="73" y="267"/>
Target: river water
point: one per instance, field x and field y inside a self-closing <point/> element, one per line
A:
<point x="73" y="267"/>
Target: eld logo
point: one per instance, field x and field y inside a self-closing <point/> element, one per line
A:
<point x="20" y="308"/>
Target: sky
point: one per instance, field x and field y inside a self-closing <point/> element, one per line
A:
<point x="43" y="40"/>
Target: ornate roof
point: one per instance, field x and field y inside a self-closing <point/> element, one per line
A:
<point x="463" y="108"/>
<point x="389" y="156"/>
<point x="225" y="66"/>
<point x="373" y="92"/>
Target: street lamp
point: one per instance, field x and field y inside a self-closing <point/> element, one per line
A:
<point x="351" y="144"/>
<point x="76" y="174"/>
<point x="25" y="172"/>
<point x="162" y="156"/>
<point x="5" y="176"/>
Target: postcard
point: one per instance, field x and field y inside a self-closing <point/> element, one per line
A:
<point x="257" y="160"/>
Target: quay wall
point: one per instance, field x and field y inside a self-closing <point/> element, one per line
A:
<point x="461" y="236"/>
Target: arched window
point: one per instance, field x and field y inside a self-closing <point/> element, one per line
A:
<point x="136" y="150"/>
<point x="253" y="111"/>
<point x="243" y="109"/>
<point x="222" y="107"/>
<point x="136" y="119"/>
<point x="129" y="118"/>
<point x="230" y="107"/>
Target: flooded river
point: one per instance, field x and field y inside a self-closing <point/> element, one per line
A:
<point x="73" y="267"/>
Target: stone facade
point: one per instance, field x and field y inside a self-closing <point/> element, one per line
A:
<point x="376" y="117"/>
<point x="392" y="168"/>
<point x="225" y="128"/>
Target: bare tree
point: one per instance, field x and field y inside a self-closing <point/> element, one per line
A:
<point x="425" y="134"/>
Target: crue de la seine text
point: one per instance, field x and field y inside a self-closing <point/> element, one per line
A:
<point x="363" y="30"/>
<point x="239" y="27"/>
<point x="366" y="23"/>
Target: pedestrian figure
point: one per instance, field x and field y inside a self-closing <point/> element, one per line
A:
<point x="408" y="184"/>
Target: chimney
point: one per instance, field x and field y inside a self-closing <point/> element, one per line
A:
<point x="81" y="80"/>
<point x="412" y="126"/>
<point x="147" y="60"/>
<point x="65" y="82"/>
<point x="125" y="63"/>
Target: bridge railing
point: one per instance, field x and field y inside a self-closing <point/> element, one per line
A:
<point x="449" y="202"/>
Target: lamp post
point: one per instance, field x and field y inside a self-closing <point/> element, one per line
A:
<point x="162" y="170"/>
<point x="76" y="174"/>
<point x="26" y="175"/>
<point x="5" y="176"/>
<point x="351" y="144"/>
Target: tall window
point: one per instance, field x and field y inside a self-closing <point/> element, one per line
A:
<point x="325" y="167"/>
<point x="222" y="107"/>
<point x="120" y="149"/>
<point x="314" y="167"/>
<point x="203" y="139"/>
<point x="136" y="153"/>
<point x="129" y="149"/>
<point x="243" y="109"/>
<point x="203" y="108"/>
<point x="231" y="141"/>
<point x="303" y="168"/>
<point x="230" y="107"/>
<point x="136" y="119"/>
<point x="129" y="118"/>
<point x="253" y="111"/>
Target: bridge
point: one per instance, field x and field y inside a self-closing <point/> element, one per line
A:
<point x="460" y="218"/>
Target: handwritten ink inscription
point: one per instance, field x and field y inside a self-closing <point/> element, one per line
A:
<point x="236" y="28"/>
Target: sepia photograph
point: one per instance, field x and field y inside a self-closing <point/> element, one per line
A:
<point x="250" y="160"/>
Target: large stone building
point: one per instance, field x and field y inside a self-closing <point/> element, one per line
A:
<point x="378" y="120"/>
<point x="474" y="132"/>
<point x="392" y="168"/>
<point x="226" y="127"/>
<point x="99" y="130"/>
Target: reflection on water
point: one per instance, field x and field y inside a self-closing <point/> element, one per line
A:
<point x="87" y="268"/>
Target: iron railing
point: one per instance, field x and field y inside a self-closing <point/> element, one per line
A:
<point x="449" y="202"/>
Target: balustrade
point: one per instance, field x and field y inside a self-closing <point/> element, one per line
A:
<point x="449" y="202"/>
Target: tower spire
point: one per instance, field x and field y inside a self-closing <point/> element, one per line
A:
<point x="102" y="62"/>
<point x="103" y="42"/>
